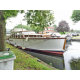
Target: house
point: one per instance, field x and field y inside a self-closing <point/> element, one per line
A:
<point x="48" y="30"/>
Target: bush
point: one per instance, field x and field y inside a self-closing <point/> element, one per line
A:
<point x="62" y="32"/>
<point x="75" y="64"/>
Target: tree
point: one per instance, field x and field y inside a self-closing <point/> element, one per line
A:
<point x="38" y="19"/>
<point x="75" y="16"/>
<point x="72" y="30"/>
<point x="4" y="15"/>
<point x="23" y="26"/>
<point x="55" y="26"/>
<point x="63" y="26"/>
<point x="75" y="63"/>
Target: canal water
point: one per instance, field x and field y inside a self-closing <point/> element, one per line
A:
<point x="72" y="51"/>
<point x="60" y="62"/>
<point x="54" y="61"/>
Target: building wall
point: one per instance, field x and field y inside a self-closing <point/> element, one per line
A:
<point x="48" y="30"/>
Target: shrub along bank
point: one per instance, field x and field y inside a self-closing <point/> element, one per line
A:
<point x="75" y="64"/>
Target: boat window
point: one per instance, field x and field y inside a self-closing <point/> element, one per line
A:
<point x="39" y="35"/>
<point x="47" y="32"/>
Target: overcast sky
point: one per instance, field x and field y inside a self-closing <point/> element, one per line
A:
<point x="65" y="15"/>
<point x="58" y="14"/>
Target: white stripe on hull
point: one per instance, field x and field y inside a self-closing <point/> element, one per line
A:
<point x="40" y="44"/>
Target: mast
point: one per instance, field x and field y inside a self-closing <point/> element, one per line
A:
<point x="21" y="27"/>
<point x="22" y="30"/>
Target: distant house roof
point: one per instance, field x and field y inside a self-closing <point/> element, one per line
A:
<point x="49" y="27"/>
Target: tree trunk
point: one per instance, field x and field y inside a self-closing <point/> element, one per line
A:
<point x="2" y="32"/>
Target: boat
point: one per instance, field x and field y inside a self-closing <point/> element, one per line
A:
<point x="31" y="41"/>
<point x="68" y="36"/>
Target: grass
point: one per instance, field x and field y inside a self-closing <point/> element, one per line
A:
<point x="76" y="37"/>
<point x="25" y="61"/>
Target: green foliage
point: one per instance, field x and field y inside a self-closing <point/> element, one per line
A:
<point x="75" y="64"/>
<point x="23" y="26"/>
<point x="55" y="26"/>
<point x="62" y="32"/>
<point x="36" y="29"/>
<point x="77" y="31"/>
<point x="11" y="13"/>
<point x="38" y="19"/>
<point x="75" y="16"/>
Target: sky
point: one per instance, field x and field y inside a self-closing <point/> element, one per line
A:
<point x="58" y="14"/>
<point x="65" y="15"/>
<point x="12" y="22"/>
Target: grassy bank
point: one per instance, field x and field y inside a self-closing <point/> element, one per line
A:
<point x="76" y="37"/>
<point x="25" y="61"/>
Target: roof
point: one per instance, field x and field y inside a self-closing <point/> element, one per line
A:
<point x="49" y="27"/>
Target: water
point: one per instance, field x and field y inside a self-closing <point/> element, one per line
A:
<point x="54" y="61"/>
<point x="72" y="50"/>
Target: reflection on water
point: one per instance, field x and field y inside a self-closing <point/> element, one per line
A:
<point x="72" y="50"/>
<point x="55" y="61"/>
